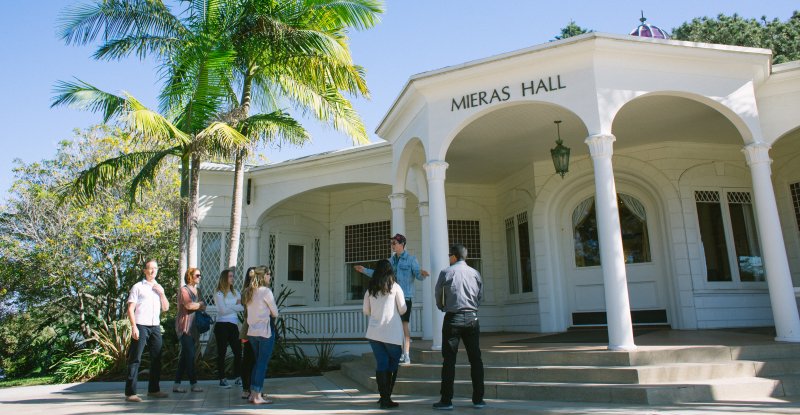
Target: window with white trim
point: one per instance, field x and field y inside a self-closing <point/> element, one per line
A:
<point x="518" y="254"/>
<point x="633" y="226"/>
<point x="729" y="236"/>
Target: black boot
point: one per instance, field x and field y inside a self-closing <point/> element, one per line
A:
<point x="391" y="377"/>
<point x="381" y="380"/>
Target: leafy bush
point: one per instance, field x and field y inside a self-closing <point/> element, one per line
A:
<point x="84" y="365"/>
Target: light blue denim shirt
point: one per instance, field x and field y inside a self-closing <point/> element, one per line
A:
<point x="406" y="269"/>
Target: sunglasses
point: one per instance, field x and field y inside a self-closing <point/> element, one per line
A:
<point x="197" y="275"/>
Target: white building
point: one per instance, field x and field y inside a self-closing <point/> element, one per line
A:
<point x="684" y="181"/>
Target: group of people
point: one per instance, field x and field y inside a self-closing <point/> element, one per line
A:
<point x="387" y="303"/>
<point x="146" y="302"/>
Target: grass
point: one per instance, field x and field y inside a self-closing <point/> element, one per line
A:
<point x="33" y="381"/>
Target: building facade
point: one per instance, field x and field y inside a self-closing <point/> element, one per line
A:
<point x="681" y="205"/>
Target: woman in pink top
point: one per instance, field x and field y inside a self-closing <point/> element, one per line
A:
<point x="384" y="303"/>
<point x="260" y="303"/>
<point x="188" y="302"/>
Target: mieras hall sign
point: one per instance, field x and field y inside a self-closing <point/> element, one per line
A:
<point x="536" y="86"/>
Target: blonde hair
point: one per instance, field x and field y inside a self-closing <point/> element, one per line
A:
<point x="257" y="279"/>
<point x="223" y="286"/>
<point x="189" y="276"/>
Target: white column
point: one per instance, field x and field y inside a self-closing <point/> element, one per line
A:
<point x="398" y="203"/>
<point x="435" y="171"/>
<point x="618" y="309"/>
<point x="251" y="254"/>
<point x="776" y="264"/>
<point x="427" y="288"/>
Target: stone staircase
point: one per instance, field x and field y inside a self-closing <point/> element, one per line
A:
<point x="648" y="375"/>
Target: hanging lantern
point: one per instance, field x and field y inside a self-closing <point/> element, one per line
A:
<point x="560" y="153"/>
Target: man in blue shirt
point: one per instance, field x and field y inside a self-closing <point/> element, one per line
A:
<point x="406" y="270"/>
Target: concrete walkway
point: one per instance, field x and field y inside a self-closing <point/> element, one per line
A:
<point x="329" y="394"/>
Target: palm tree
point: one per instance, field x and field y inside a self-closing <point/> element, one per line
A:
<point x="275" y="50"/>
<point x="163" y="138"/>
<point x="296" y="51"/>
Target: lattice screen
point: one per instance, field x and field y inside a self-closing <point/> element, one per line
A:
<point x="794" y="188"/>
<point x="367" y="241"/>
<point x="467" y="233"/>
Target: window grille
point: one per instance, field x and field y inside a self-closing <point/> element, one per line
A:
<point x="706" y="196"/>
<point x="794" y="188"/>
<point x="316" y="269"/>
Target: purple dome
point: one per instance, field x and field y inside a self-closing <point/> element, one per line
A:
<point x="648" y="30"/>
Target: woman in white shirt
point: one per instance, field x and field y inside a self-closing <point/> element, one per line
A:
<point x="384" y="303"/>
<point x="226" y="330"/>
<point x="260" y="303"/>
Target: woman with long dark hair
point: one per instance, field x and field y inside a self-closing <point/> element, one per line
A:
<point x="384" y="303"/>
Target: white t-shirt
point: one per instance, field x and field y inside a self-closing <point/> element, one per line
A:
<point x="258" y="312"/>
<point x="148" y="303"/>
<point x="227" y="307"/>
<point x="384" y="314"/>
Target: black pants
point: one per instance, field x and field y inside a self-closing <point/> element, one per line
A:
<point x="148" y="335"/>
<point x="249" y="359"/>
<point x="227" y="334"/>
<point x="456" y="327"/>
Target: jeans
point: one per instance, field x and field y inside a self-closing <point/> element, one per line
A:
<point x="387" y="356"/>
<point x="148" y="335"/>
<point x="186" y="361"/>
<point x="262" y="351"/>
<point x="227" y="334"/>
<point x="456" y="327"/>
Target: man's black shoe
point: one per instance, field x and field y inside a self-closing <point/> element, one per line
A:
<point x="443" y="405"/>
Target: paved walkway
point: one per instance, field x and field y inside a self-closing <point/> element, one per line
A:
<point x="329" y="394"/>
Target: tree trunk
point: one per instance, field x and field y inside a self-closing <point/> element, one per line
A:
<point x="194" y="191"/>
<point x="236" y="210"/>
<point x="183" y="240"/>
<point x="238" y="178"/>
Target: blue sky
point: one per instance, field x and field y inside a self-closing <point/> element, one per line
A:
<point x="414" y="36"/>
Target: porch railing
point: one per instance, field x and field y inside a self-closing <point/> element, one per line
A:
<point x="337" y="322"/>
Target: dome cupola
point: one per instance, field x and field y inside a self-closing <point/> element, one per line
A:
<point x="648" y="30"/>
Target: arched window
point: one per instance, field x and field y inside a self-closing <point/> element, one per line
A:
<point x="633" y="224"/>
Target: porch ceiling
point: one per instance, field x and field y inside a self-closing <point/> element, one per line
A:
<point x="505" y="141"/>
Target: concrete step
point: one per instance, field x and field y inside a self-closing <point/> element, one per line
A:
<point x="769" y="368"/>
<point x="734" y="389"/>
<point x="592" y="374"/>
<point x="687" y="354"/>
<point x="766" y="351"/>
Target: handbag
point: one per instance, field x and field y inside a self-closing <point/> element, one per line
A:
<point x="202" y="321"/>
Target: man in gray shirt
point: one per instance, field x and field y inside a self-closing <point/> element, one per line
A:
<point x="459" y="291"/>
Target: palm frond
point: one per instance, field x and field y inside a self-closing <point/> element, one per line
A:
<point x="151" y="125"/>
<point x="147" y="172"/>
<point x="84" y="96"/>
<point x="326" y="104"/>
<point x="275" y="126"/>
<point x="223" y="135"/>
<point x="142" y="46"/>
<point x="359" y="14"/>
<point x="111" y="171"/>
<point x="116" y="19"/>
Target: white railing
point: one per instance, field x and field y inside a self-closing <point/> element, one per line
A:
<point x="339" y="322"/>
